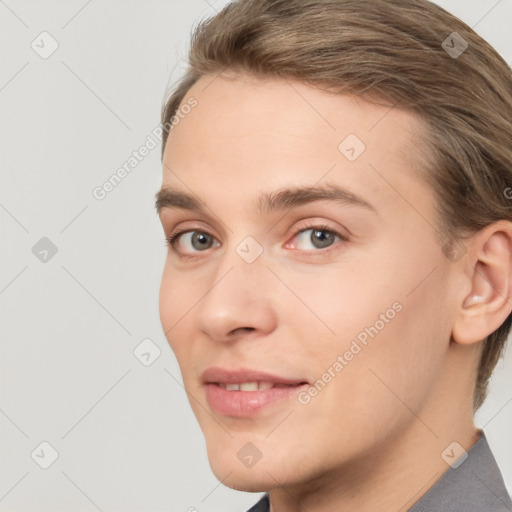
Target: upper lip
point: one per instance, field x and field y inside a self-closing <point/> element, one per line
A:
<point x="224" y="375"/>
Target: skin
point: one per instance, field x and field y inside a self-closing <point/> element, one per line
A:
<point x="372" y="439"/>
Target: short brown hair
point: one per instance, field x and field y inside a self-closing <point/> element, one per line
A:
<point x="396" y="51"/>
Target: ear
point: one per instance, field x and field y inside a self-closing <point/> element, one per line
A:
<point x="489" y="301"/>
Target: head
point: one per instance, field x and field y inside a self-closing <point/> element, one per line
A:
<point x="393" y="283"/>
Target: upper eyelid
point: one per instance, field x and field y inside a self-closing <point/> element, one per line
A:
<point x="317" y="226"/>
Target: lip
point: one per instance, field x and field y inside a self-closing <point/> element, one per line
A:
<point x="217" y="374"/>
<point x="246" y="403"/>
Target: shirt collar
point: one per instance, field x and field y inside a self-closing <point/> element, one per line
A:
<point x="474" y="485"/>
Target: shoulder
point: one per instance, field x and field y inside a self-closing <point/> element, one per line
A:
<point x="475" y="485"/>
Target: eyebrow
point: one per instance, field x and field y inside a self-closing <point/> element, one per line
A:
<point x="268" y="202"/>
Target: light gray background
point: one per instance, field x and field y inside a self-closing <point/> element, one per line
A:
<point x="126" y="437"/>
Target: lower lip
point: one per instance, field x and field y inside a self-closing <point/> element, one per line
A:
<point x="246" y="403"/>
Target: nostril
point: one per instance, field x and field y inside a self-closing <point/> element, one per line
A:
<point x="244" y="329"/>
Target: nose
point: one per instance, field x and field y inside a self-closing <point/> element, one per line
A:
<point x="238" y="300"/>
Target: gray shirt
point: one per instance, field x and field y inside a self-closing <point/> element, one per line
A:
<point x="475" y="486"/>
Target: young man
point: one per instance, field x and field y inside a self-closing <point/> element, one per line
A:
<point x="338" y="289"/>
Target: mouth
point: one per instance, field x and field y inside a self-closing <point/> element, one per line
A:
<point x="243" y="392"/>
<point x="254" y="386"/>
<point x="244" y="377"/>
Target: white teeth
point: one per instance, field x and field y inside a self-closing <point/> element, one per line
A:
<point x="247" y="386"/>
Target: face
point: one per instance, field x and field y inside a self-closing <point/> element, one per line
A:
<point x="304" y="290"/>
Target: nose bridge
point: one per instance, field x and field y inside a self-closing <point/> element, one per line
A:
<point x="243" y="264"/>
<point x="239" y="293"/>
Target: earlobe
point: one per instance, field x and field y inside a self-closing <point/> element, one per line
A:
<point x="489" y="300"/>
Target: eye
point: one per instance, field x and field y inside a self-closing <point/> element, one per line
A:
<point x="199" y="240"/>
<point x="310" y="238"/>
<point x="317" y="237"/>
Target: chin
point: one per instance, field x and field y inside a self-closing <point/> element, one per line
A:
<point x="230" y="468"/>
<point x="248" y="483"/>
<point x="263" y="475"/>
<point x="255" y="479"/>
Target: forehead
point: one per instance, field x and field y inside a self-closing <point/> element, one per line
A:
<point x="252" y="135"/>
<point x="242" y="107"/>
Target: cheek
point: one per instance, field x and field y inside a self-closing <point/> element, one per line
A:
<point x="167" y="300"/>
<point x="391" y="329"/>
<point x="176" y="298"/>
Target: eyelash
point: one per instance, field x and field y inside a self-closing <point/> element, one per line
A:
<point x="173" y="238"/>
